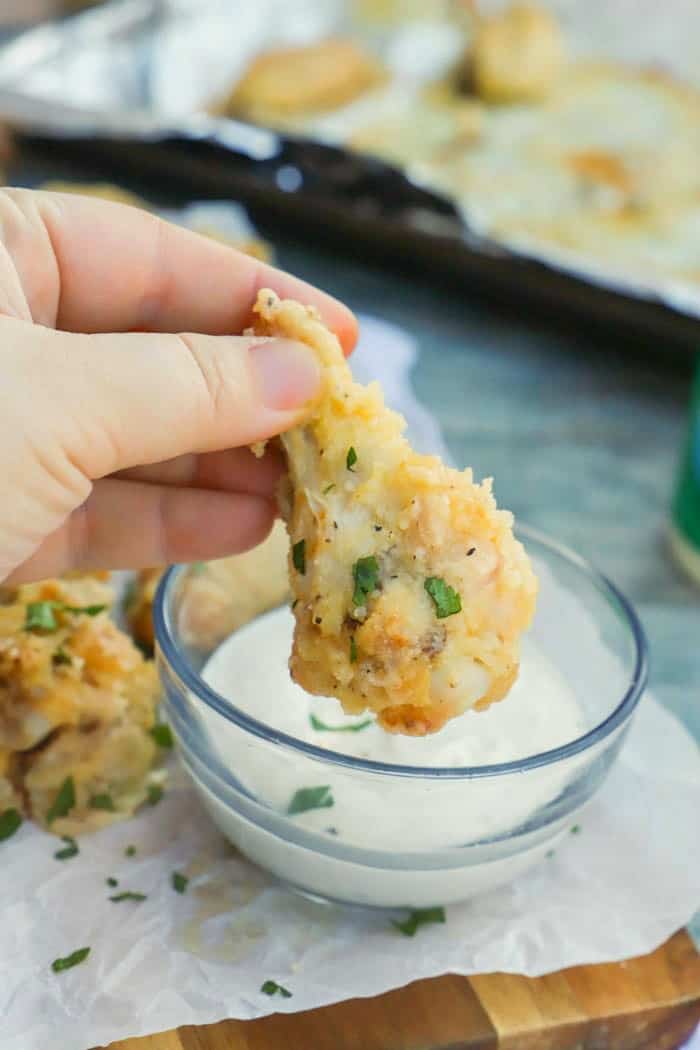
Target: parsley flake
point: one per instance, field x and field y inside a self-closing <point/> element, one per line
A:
<point x="102" y="801"/>
<point x="310" y="798"/>
<point x="162" y="734"/>
<point x="179" y="882"/>
<point x="273" y="988"/>
<point x="299" y="557"/>
<point x="351" y="458"/>
<point x="130" y="851"/>
<point x="69" y="850"/>
<point x="353" y="650"/>
<point x="155" y="794"/>
<point x="365" y="573"/>
<point x="128" y="895"/>
<point x="70" y="960"/>
<point x="576" y="829"/>
<point x="61" y="658"/>
<point x="40" y="617"/>
<point x="420" y="917"/>
<point x="83" y="610"/>
<point x="111" y="881"/>
<point x="10" y="822"/>
<point x="328" y="488"/>
<point x="446" y="600"/>
<point x="63" y="802"/>
<point x="321" y="727"/>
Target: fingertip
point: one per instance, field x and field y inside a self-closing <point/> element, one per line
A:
<point x="348" y="331"/>
<point x="334" y="314"/>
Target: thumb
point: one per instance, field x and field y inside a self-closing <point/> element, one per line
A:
<point x="133" y="399"/>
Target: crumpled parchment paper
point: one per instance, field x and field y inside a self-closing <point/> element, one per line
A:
<point x="618" y="888"/>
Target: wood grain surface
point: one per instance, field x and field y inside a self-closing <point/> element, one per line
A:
<point x="649" y="1003"/>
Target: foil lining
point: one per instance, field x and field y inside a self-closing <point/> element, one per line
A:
<point x="148" y="71"/>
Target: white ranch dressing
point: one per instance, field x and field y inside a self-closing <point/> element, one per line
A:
<point x="541" y="713"/>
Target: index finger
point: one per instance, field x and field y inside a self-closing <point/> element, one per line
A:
<point x="121" y="269"/>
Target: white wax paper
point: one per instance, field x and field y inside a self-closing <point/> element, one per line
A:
<point x="628" y="880"/>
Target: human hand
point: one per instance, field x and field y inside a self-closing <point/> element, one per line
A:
<point x="125" y="449"/>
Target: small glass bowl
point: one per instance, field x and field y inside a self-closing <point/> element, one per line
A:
<point x="585" y="628"/>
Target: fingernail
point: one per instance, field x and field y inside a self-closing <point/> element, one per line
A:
<point x="286" y="373"/>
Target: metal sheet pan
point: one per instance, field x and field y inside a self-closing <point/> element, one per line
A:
<point x="125" y="88"/>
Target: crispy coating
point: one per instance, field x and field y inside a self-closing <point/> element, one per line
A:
<point x="374" y="528"/>
<point x="76" y="699"/>
<point x="311" y="78"/>
<point x="220" y="595"/>
<point x="518" y="54"/>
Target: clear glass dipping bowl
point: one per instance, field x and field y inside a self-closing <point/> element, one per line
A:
<point x="585" y="627"/>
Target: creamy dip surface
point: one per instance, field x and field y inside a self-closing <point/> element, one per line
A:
<point x="399" y="813"/>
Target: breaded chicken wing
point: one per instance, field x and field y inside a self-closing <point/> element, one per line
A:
<point x="77" y="703"/>
<point x="308" y="78"/>
<point x="410" y="589"/>
<point x="518" y="54"/>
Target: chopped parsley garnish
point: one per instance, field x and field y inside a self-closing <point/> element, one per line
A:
<point x="273" y="988"/>
<point x="353" y="650"/>
<point x="576" y="829"/>
<point x="69" y="850"/>
<point x="351" y="458"/>
<point x="130" y="851"/>
<point x="179" y="882"/>
<point x="86" y="610"/>
<point x="41" y="616"/>
<point x="447" y="601"/>
<point x="162" y="734"/>
<point x="197" y="568"/>
<point x="111" y="881"/>
<point x="328" y="488"/>
<point x="155" y="794"/>
<point x="63" y="802"/>
<point x="549" y="854"/>
<point x="102" y="801"/>
<point x="420" y="917"/>
<point x="310" y="798"/>
<point x="321" y="727"/>
<point x="299" y="557"/>
<point x="70" y="960"/>
<point x="10" y="822"/>
<point x="128" y="895"/>
<point x="61" y="658"/>
<point x="365" y="573"/>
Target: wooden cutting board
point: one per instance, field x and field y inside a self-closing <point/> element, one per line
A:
<point x="649" y="1003"/>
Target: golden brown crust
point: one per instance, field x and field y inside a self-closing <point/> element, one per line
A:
<point x="410" y="521"/>
<point x="299" y="80"/>
<point x="518" y="54"/>
<point x="77" y="700"/>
